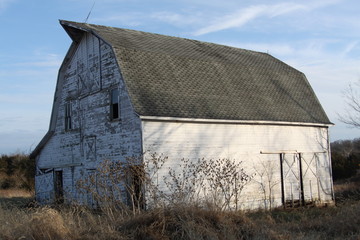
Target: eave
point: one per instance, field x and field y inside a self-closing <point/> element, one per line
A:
<point x="224" y="121"/>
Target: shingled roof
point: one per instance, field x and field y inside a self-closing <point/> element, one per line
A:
<point x="176" y="77"/>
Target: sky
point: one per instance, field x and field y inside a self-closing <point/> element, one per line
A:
<point x="320" y="38"/>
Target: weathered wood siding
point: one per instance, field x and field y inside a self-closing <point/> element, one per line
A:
<point x="259" y="147"/>
<point x="85" y="81"/>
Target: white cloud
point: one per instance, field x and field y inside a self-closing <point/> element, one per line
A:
<point x="236" y="19"/>
<point x="243" y="16"/>
<point x="37" y="66"/>
<point x="351" y="46"/>
<point x="283" y="8"/>
<point x="178" y="19"/>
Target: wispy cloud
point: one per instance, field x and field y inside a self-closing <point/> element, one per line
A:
<point x="351" y="46"/>
<point x="178" y="19"/>
<point x="243" y="16"/>
<point x="236" y="19"/>
<point x="38" y="65"/>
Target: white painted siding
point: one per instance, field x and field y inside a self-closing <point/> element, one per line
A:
<point x="257" y="146"/>
<point x="85" y="81"/>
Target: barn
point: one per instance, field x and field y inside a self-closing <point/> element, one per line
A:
<point x="122" y="93"/>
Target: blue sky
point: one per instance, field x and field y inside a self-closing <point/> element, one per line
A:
<point x="320" y="38"/>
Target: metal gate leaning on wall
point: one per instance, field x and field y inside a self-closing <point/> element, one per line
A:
<point x="305" y="178"/>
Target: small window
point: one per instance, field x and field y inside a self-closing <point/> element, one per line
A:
<point x="114" y="106"/>
<point x="68" y="110"/>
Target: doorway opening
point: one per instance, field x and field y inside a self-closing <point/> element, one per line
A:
<point x="58" y="187"/>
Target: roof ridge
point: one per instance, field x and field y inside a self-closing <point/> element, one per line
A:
<point x="161" y="35"/>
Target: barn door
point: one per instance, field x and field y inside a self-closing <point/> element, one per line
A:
<point x="44" y="187"/>
<point x="291" y="179"/>
<point x="58" y="187"/>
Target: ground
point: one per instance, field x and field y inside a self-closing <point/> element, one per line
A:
<point x="19" y="219"/>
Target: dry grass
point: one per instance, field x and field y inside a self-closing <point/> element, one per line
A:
<point x="345" y="186"/>
<point x="341" y="222"/>
<point x="346" y="190"/>
<point x="15" y="198"/>
<point x="187" y="222"/>
<point x="11" y="193"/>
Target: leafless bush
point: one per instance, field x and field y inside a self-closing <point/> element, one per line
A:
<point x="184" y="186"/>
<point x="213" y="182"/>
<point x="120" y="186"/>
<point x="104" y="187"/>
<point x="216" y="182"/>
<point x="352" y="110"/>
<point x="266" y="180"/>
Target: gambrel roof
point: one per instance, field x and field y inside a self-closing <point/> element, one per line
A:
<point x="182" y="78"/>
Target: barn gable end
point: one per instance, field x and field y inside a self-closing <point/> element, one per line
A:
<point x="82" y="129"/>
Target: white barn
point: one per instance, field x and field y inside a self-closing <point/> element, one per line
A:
<point x="123" y="93"/>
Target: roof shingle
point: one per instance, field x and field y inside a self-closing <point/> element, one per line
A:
<point x="176" y="77"/>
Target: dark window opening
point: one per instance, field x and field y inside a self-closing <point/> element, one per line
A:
<point x="114" y="107"/>
<point x="68" y="123"/>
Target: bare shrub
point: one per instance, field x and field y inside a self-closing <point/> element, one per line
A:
<point x="120" y="186"/>
<point x="96" y="188"/>
<point x="184" y="186"/>
<point x="267" y="181"/>
<point x="217" y="183"/>
<point x="226" y="178"/>
<point x="107" y="186"/>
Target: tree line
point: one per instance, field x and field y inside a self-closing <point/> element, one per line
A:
<point x="17" y="171"/>
<point x="345" y="158"/>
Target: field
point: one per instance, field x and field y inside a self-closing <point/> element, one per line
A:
<point x="21" y="219"/>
